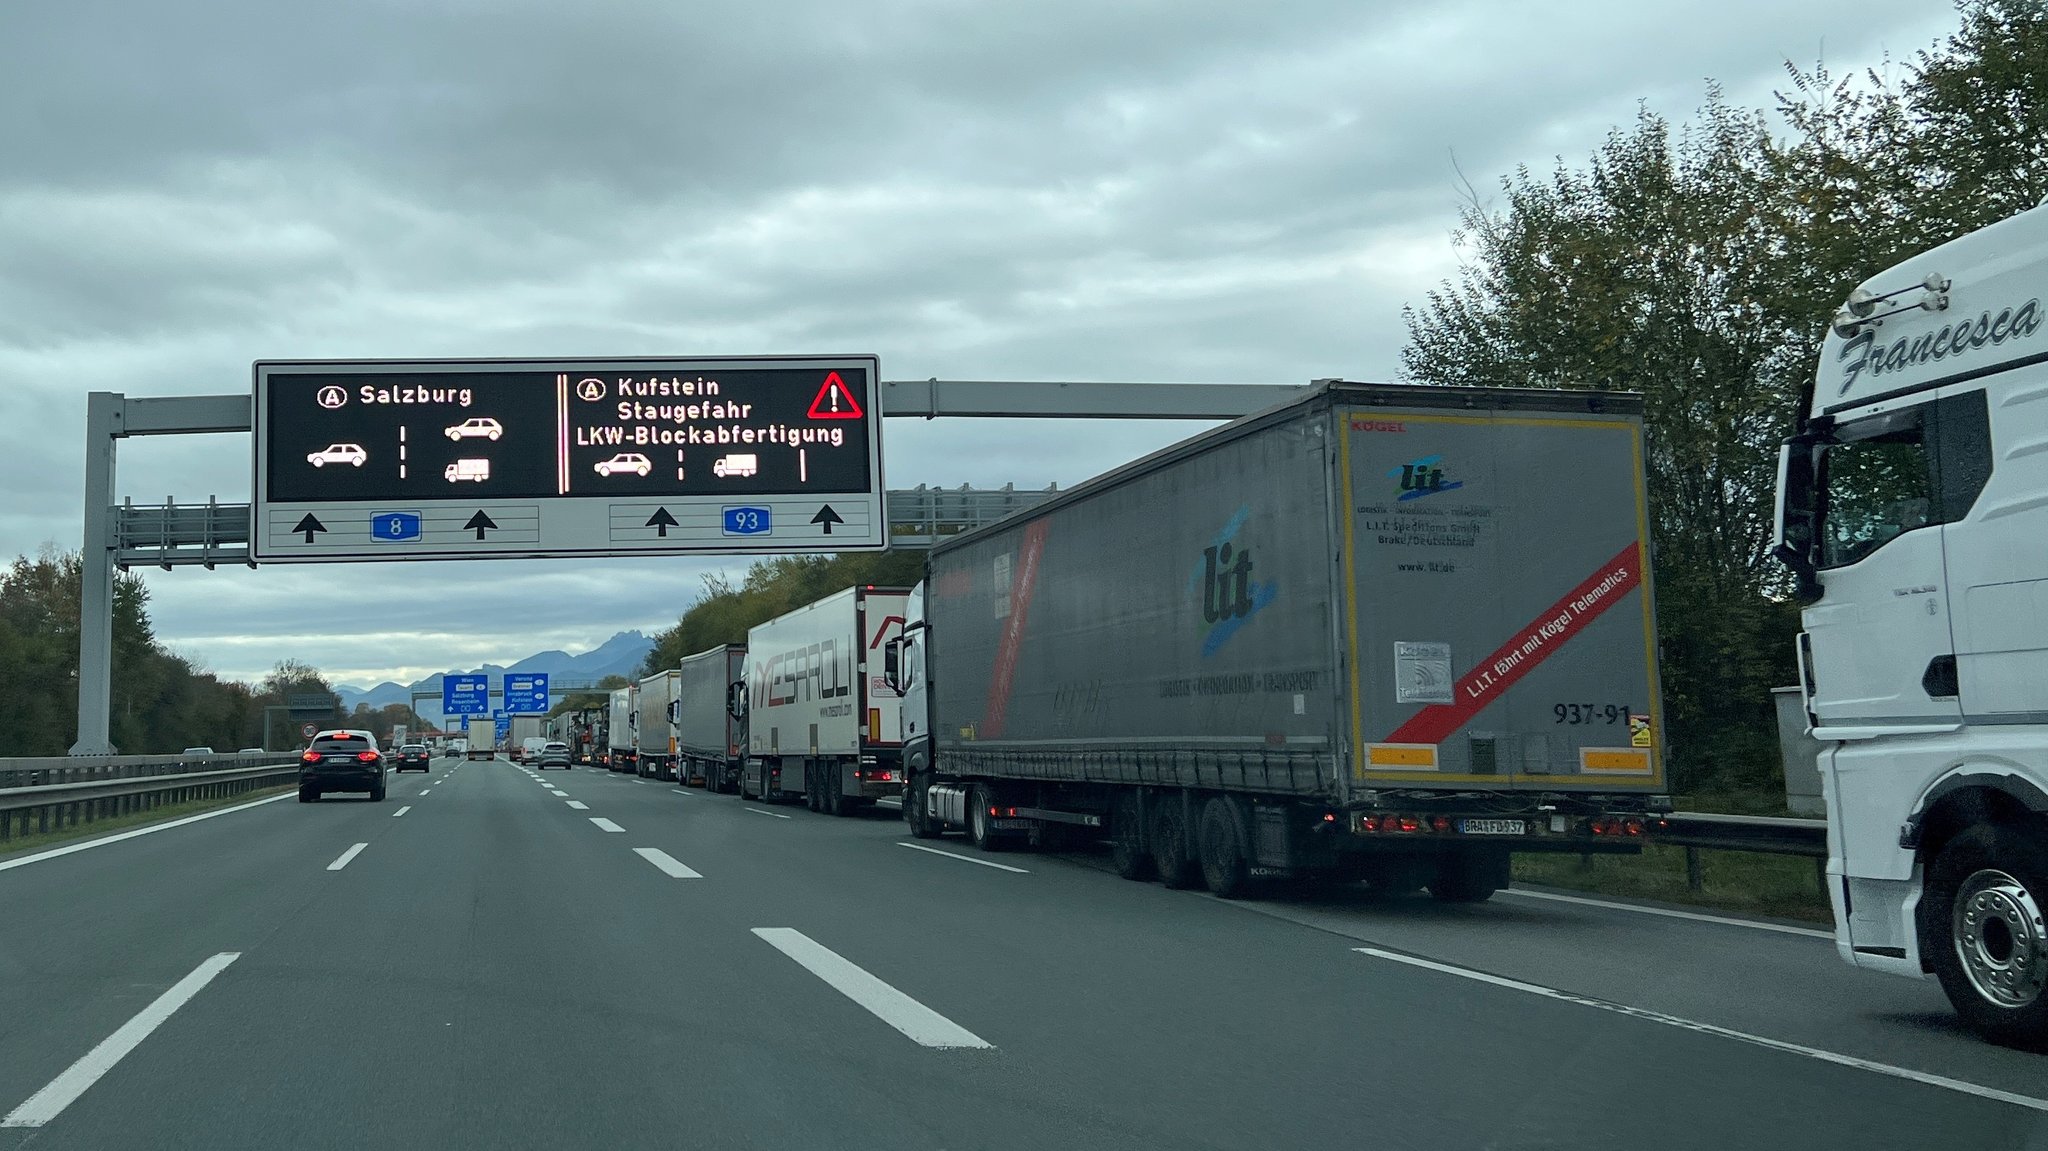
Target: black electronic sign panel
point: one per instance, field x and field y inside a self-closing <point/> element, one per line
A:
<point x="381" y="459"/>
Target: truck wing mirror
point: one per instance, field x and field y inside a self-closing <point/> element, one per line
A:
<point x="736" y="700"/>
<point x="892" y="664"/>
<point x="1796" y="531"/>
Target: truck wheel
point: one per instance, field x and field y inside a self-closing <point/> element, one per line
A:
<point x="1224" y="866"/>
<point x="978" y="830"/>
<point x="1169" y="841"/>
<point x="922" y="826"/>
<point x="1986" y="899"/>
<point x="1469" y="877"/>
<point x="1127" y="839"/>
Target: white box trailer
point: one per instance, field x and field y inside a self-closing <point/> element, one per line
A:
<point x="710" y="739"/>
<point x="822" y="723"/>
<point x="520" y="744"/>
<point x="619" y="750"/>
<point x="483" y="737"/>
<point x="654" y="737"/>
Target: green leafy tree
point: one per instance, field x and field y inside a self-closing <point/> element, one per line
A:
<point x="723" y="613"/>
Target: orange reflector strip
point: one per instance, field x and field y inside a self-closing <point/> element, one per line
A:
<point x="1628" y="762"/>
<point x="1402" y="755"/>
<point x="875" y="724"/>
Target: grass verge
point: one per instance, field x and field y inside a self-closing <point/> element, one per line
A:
<point x="1784" y="886"/>
<point x="37" y="842"/>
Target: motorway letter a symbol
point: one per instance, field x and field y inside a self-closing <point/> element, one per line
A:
<point x="835" y="400"/>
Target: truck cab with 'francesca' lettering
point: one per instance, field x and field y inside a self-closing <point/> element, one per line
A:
<point x="1913" y="514"/>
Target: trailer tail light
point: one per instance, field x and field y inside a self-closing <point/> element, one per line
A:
<point x="1440" y="823"/>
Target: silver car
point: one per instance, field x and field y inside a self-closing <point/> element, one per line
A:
<point x="553" y="755"/>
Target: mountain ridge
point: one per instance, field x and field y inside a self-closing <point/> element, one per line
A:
<point x="619" y="655"/>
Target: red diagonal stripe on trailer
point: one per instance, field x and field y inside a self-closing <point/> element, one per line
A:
<point x="1533" y="644"/>
<point x="1023" y="582"/>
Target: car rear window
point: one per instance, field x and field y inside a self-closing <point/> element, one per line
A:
<point x="342" y="741"/>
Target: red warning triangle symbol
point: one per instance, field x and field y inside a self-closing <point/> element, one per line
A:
<point x="835" y="400"/>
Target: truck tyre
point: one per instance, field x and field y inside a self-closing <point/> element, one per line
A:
<point x="1225" y="865"/>
<point x="1469" y="877"/>
<point x="1169" y="841"/>
<point x="915" y="805"/>
<point x="978" y="830"/>
<point x="811" y="787"/>
<point x="1988" y="943"/>
<point x="1127" y="839"/>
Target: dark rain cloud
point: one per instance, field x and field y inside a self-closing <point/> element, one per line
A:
<point x="1062" y="189"/>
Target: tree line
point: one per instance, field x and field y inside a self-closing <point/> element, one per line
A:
<point x="161" y="702"/>
<point x="1700" y="264"/>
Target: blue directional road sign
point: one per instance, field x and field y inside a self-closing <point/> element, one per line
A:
<point x="526" y="694"/>
<point x="465" y="694"/>
<point x="747" y="521"/>
<point x="395" y="527"/>
<point x="504" y="725"/>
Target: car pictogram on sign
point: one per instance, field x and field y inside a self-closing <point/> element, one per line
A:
<point x="351" y="454"/>
<point x="633" y="462"/>
<point x="470" y="429"/>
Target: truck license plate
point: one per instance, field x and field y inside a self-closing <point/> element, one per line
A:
<point x="1492" y="827"/>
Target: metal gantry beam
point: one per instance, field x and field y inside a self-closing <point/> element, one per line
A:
<point x="117" y="536"/>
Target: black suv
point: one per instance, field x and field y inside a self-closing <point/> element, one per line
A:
<point x="415" y="755"/>
<point x="341" y="761"/>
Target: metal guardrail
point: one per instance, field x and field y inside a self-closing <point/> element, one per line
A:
<point x="42" y="807"/>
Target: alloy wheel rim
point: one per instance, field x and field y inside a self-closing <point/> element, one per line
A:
<point x="2001" y="938"/>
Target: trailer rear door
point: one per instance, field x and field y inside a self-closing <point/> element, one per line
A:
<point x="1498" y="608"/>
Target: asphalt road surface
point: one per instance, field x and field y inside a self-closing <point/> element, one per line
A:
<point x="498" y="958"/>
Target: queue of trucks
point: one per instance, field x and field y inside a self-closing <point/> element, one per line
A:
<point x="1384" y="633"/>
<point x="1402" y="634"/>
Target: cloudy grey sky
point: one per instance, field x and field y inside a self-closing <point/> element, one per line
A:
<point x="1199" y="190"/>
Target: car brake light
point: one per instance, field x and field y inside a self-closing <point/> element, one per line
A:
<point x="311" y="757"/>
<point x="367" y="756"/>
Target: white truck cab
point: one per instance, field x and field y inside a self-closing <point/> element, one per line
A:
<point x="1913" y="510"/>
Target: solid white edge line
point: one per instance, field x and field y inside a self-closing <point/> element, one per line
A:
<point x="604" y="824"/>
<point x="1650" y="1016"/>
<point x="117" y="837"/>
<point x="962" y="858"/>
<point x="578" y="805"/>
<point x="401" y="811"/>
<point x="765" y="811"/>
<point x="914" y="1019"/>
<point x="1669" y="913"/>
<point x="62" y="1091"/>
<point x="675" y="868"/>
<point x="351" y="853"/>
